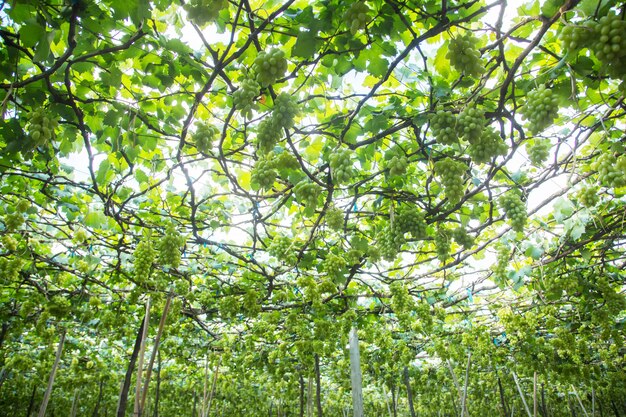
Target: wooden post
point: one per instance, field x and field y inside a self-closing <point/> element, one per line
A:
<point x="301" y="396"/>
<point x="409" y="392"/>
<point x="502" y="401"/>
<point x="213" y="384"/>
<point x="206" y="384"/>
<point x="318" y="386"/>
<point x="464" y="400"/>
<point x="521" y="394"/>
<point x="53" y="372"/>
<point x="457" y="385"/>
<point x="579" y="400"/>
<point x="75" y="402"/>
<point x="123" y="400"/>
<point x="355" y="374"/>
<point x="142" y="349"/>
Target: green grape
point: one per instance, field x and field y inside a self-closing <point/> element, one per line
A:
<point x="397" y="165"/>
<point x="461" y="237"/>
<point x="502" y="262"/>
<point x="58" y="306"/>
<point x="285" y="160"/>
<point x="144" y="257"/>
<point x="203" y="136"/>
<point x="409" y="220"/>
<point x="333" y="265"/>
<point x="576" y="37"/>
<point x="357" y="16"/>
<point x="10" y="269"/>
<point x="269" y="66"/>
<point x="9" y="243"/>
<point x="285" y="110"/>
<point x="334" y="218"/>
<point x="353" y="257"/>
<point x="22" y="206"/>
<point x="451" y="174"/>
<point x="609" y="42"/>
<point x="282" y="248"/>
<point x="341" y="166"/>
<point x="464" y="56"/>
<point x="251" y="303"/>
<point x="264" y="174"/>
<point x="13" y="221"/>
<point x="169" y="247"/>
<point x="538" y="151"/>
<point x="588" y="196"/>
<point x="611" y="170"/>
<point x="442" y="243"/>
<point x="374" y="253"/>
<point x="229" y="306"/>
<point x="471" y="124"/>
<point x="41" y="127"/>
<point x="307" y="193"/>
<point x="268" y="134"/>
<point x="390" y="243"/>
<point x="243" y="97"/>
<point x="515" y="210"/>
<point x="541" y="108"/>
<point x="201" y="12"/>
<point x="443" y="125"/>
<point x="489" y="146"/>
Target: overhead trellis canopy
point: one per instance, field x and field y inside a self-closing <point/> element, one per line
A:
<point x="447" y="177"/>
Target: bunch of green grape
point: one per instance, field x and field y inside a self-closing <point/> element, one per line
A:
<point x="451" y="173"/>
<point x="22" y="206"/>
<point x="10" y="269"/>
<point x="269" y="66"/>
<point x="442" y="243"/>
<point x="588" y="196"/>
<point x="576" y="37"/>
<point x="9" y="243"/>
<point x="264" y="174"/>
<point x="169" y="247"/>
<point x="285" y="160"/>
<point x="409" y="220"/>
<point x="333" y="264"/>
<point x="390" y="243"/>
<point x="609" y="42"/>
<point x="374" y="253"/>
<point x="282" y="248"/>
<point x="285" y="110"/>
<point x="41" y="127"/>
<point x="357" y="16"/>
<point x="487" y="147"/>
<point x="471" y="123"/>
<point x="307" y="193"/>
<point x="515" y="210"/>
<point x="538" y="151"/>
<point x="144" y="257"/>
<point x="268" y="134"/>
<point x="502" y="262"/>
<point x="397" y="165"/>
<point x="251" y="303"/>
<point x="243" y="97"/>
<point x="463" y="238"/>
<point x="13" y="221"/>
<point x="334" y="218"/>
<point x="541" y="108"/>
<point x="443" y="126"/>
<point x="203" y="136"/>
<point x="464" y="55"/>
<point x="201" y="12"/>
<point x="341" y="166"/>
<point x="611" y="170"/>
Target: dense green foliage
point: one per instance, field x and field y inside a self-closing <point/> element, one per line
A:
<point x="447" y="176"/>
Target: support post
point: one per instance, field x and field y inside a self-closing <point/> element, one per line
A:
<point x="355" y="374"/>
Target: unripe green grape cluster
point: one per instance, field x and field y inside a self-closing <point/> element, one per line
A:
<point x="541" y="108"/>
<point x="576" y="37"/>
<point x="203" y="136"/>
<point x="443" y="126"/>
<point x="341" y="166"/>
<point x="282" y="248"/>
<point x="333" y="264"/>
<point x="201" y="12"/>
<point x="144" y="257"/>
<point x="397" y="165"/>
<point x="488" y="146"/>
<point x="10" y="269"/>
<point x="442" y="243"/>
<point x="334" y="218"/>
<point x="170" y="247"/>
<point x="250" y="303"/>
<point x="243" y="98"/>
<point x="22" y="206"/>
<point x="13" y="221"/>
<point x="286" y="160"/>
<point x="264" y="174"/>
<point x="285" y="110"/>
<point x="41" y="126"/>
<point x="451" y="174"/>
<point x="538" y="151"/>
<point x="268" y="134"/>
<point x="409" y="220"/>
<point x="611" y="170"/>
<point x="588" y="196"/>
<point x="269" y="66"/>
<point x="609" y="42"/>
<point x="464" y="55"/>
<point x="390" y="243"/>
<point x="9" y="243"/>
<point x="463" y="238"/>
<point x="471" y="124"/>
<point x="502" y="262"/>
<point x="307" y="193"/>
<point x="515" y="210"/>
<point x="357" y="16"/>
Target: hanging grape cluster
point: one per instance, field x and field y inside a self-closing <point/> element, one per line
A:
<point x="203" y="136"/>
<point x="588" y="196"/>
<point x="243" y="97"/>
<point x="201" y="12"/>
<point x="463" y="238"/>
<point x="611" y="170"/>
<point x="270" y="130"/>
<point x="334" y="218"/>
<point x="307" y="193"/>
<point x="269" y="66"/>
<point x="285" y="160"/>
<point x="576" y="37"/>
<point x="144" y="256"/>
<point x="267" y="135"/>
<point x="464" y="55"/>
<point x="541" y="108"/>
<point x="515" y="210"/>
<point x="451" y="173"/>
<point x="487" y="146"/>
<point x="538" y="151"/>
<point x="409" y="220"/>
<point x="10" y="269"/>
<point x="282" y="248"/>
<point x="397" y="165"/>
<point x="471" y="123"/>
<point x="170" y="246"/>
<point x="333" y="264"/>
<point x="502" y="262"/>
<point x="264" y="174"/>
<point x="357" y="16"/>
<point x="285" y="110"/>
<point x="9" y="243"/>
<point x="390" y="243"/>
<point x="341" y="166"/>
<point x="442" y="243"/>
<point x="13" y="221"/>
<point x="443" y="126"/>
<point x="41" y="127"/>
